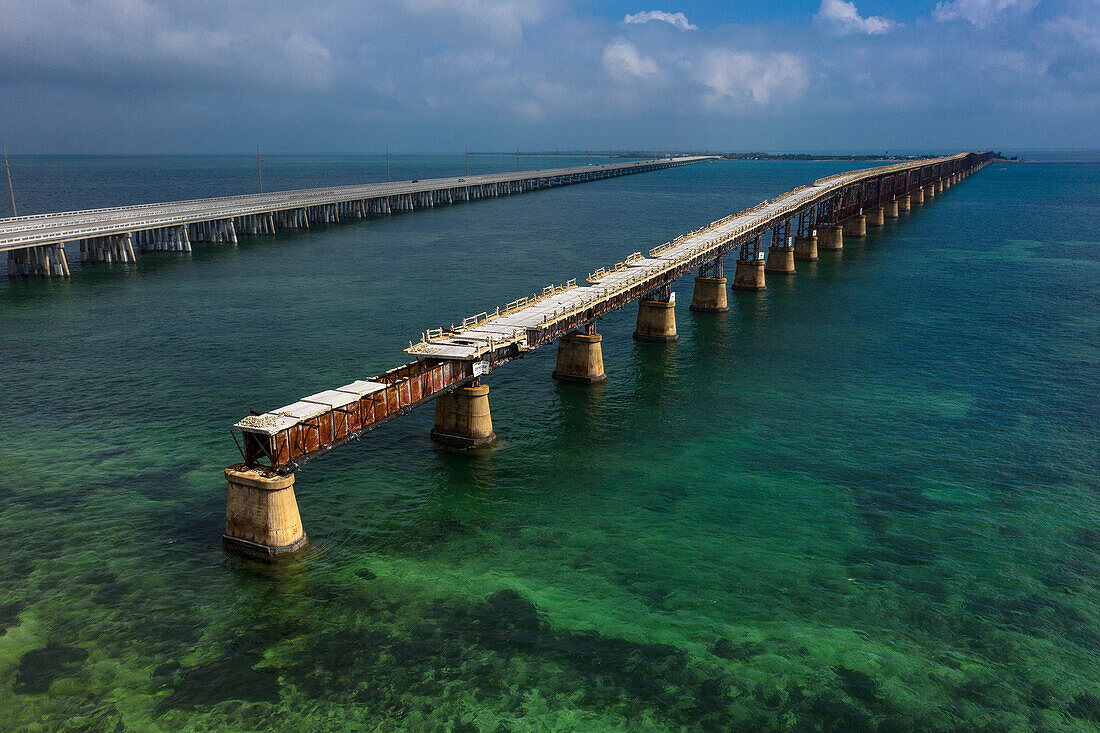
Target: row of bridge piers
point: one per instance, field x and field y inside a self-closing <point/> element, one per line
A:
<point x="462" y="417"/>
<point x="50" y="260"/>
<point x="262" y="514"/>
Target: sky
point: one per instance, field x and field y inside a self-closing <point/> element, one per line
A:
<point x="210" y="76"/>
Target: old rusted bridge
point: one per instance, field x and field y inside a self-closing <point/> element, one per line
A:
<point x="262" y="513"/>
<point x="36" y="244"/>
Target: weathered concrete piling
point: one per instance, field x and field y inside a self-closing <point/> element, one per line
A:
<point x="780" y="260"/>
<point x="462" y="418"/>
<point x="805" y="248"/>
<point x="656" y="320"/>
<point x="262" y="515"/>
<point x="749" y="275"/>
<point x="855" y="226"/>
<point x="709" y="295"/>
<point x="45" y="261"/>
<point x="830" y="237"/>
<point x="580" y="358"/>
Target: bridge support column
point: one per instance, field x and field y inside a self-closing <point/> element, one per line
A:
<point x="876" y="217"/>
<point x="749" y="275"/>
<point x="261" y="514"/>
<point x="930" y="191"/>
<point x="462" y="418"/>
<point x="904" y="203"/>
<point x="939" y="186"/>
<point x="46" y="260"/>
<point x="780" y="260"/>
<point x="830" y="237"/>
<point x="805" y="249"/>
<point x="890" y="209"/>
<point x="580" y="358"/>
<point x="917" y="197"/>
<point x="709" y="295"/>
<point x="656" y="321"/>
<point x="855" y="226"/>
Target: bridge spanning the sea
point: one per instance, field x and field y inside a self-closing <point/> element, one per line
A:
<point x="262" y="516"/>
<point x="36" y="244"/>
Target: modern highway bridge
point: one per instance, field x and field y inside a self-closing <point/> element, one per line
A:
<point x="262" y="515"/>
<point x="36" y="244"/>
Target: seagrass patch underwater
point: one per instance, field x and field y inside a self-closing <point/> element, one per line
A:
<point x="865" y="499"/>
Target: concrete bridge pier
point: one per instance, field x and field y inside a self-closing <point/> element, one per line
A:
<point x="261" y="514"/>
<point x="930" y="191"/>
<point x="805" y="248"/>
<point x="110" y="249"/>
<point x="47" y="260"/>
<point x="709" y="295"/>
<point x="939" y="186"/>
<point x="580" y="358"/>
<point x="749" y="275"/>
<point x="830" y="237"/>
<point x="904" y="203"/>
<point x="657" y="318"/>
<point x="855" y="226"/>
<point x="780" y="260"/>
<point x="917" y="197"/>
<point x="876" y="217"/>
<point x="462" y="418"/>
<point x="890" y="209"/>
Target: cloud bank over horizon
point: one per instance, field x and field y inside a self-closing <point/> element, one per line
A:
<point x="433" y="75"/>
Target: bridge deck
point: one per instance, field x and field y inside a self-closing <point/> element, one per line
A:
<point x="43" y="229"/>
<point x="449" y="358"/>
<point x="492" y="332"/>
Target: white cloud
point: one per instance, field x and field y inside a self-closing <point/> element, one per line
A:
<point x="742" y="79"/>
<point x="980" y="12"/>
<point x="623" y="61"/>
<point x="844" y="17"/>
<point x="679" y="20"/>
<point x="1085" y="32"/>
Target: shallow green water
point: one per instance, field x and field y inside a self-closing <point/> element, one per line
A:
<point x="865" y="499"/>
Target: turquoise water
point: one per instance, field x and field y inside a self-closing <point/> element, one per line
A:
<point x="866" y="499"/>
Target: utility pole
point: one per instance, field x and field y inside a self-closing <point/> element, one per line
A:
<point x="11" y="191"/>
<point x="387" y="164"/>
<point x="259" y="171"/>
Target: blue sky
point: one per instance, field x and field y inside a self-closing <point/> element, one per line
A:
<point x="135" y="76"/>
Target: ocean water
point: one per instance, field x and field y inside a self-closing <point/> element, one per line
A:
<point x="866" y="499"/>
